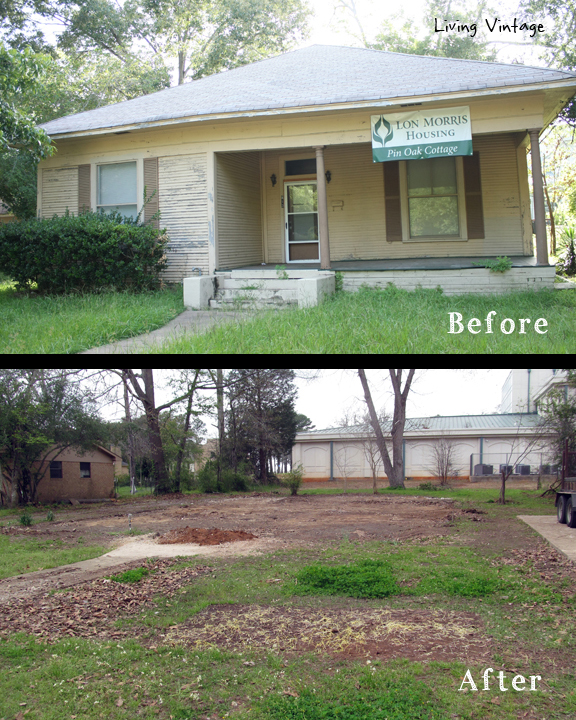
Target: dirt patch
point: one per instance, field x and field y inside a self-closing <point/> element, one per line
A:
<point x="202" y="536"/>
<point x="376" y="633"/>
<point x="91" y="609"/>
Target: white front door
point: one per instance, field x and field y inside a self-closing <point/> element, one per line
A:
<point x="301" y="222"/>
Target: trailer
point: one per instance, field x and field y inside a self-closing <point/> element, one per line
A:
<point x="566" y="492"/>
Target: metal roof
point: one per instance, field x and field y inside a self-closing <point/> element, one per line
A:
<point x="318" y="75"/>
<point x="447" y="422"/>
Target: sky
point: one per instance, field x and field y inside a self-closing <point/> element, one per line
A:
<point x="434" y="392"/>
<point x="328" y="27"/>
<point x="330" y="394"/>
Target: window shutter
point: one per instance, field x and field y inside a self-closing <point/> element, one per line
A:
<point x="151" y="185"/>
<point x="83" y="188"/>
<point x="392" y="201"/>
<point x="473" y="190"/>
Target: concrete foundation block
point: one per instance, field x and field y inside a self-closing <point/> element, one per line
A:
<point x="198" y="291"/>
<point x="312" y="290"/>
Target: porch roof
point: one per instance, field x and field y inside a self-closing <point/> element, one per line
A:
<point x="425" y="263"/>
<point x="314" y="77"/>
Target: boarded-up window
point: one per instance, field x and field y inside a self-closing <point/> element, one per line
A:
<point x="473" y="188"/>
<point x="83" y="188"/>
<point x="392" y="201"/>
<point x="151" y="185"/>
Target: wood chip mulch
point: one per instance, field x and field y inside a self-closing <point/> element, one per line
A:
<point x="90" y="609"/>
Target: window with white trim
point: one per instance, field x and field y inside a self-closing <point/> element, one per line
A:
<point x="117" y="189"/>
<point x="433" y="200"/>
<point x="432" y="197"/>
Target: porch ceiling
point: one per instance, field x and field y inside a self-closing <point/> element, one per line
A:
<point x="451" y="263"/>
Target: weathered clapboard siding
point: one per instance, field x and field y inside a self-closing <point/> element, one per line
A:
<point x="238" y="209"/>
<point x="500" y="195"/>
<point x="59" y="191"/>
<point x="274" y="238"/>
<point x="357" y="227"/>
<point x="183" y="200"/>
<point x="356" y="207"/>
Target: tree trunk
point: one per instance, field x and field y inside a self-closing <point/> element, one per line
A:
<point x="374" y="488"/>
<point x="130" y="436"/>
<point x="181" y="65"/>
<point x="182" y="447"/>
<point x="551" y="214"/>
<point x="153" y="422"/>
<point x="14" y="500"/>
<point x="220" y="406"/>
<point x="393" y="468"/>
<point x="502" y="498"/>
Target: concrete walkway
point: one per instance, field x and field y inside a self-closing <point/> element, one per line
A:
<point x="559" y="536"/>
<point x="190" y="320"/>
<point x="140" y="548"/>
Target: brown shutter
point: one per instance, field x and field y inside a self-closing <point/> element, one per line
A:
<point x="392" y="201"/>
<point x="83" y="188"/>
<point x="473" y="190"/>
<point x="151" y="190"/>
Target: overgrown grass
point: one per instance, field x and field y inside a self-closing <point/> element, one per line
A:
<point x="18" y="555"/>
<point x="131" y="576"/>
<point x="49" y="324"/>
<point x="394" y="321"/>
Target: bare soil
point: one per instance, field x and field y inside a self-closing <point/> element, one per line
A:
<point x="201" y="536"/>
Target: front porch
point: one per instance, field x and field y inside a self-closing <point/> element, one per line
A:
<point x="304" y="285"/>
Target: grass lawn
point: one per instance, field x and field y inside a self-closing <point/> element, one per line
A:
<point x="396" y="321"/>
<point x="72" y="323"/>
<point x="262" y="637"/>
<point x="19" y="555"/>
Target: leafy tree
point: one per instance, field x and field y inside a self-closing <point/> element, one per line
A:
<point x="259" y="427"/>
<point x="202" y="37"/>
<point x="558" y="40"/>
<point x="40" y="411"/>
<point x="18" y="182"/>
<point x="20" y="71"/>
<point x="424" y="40"/>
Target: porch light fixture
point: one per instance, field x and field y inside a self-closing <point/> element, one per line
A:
<point x="273" y="179"/>
<point x="328" y="176"/>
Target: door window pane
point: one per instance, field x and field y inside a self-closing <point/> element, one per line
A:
<point x="301" y="167"/>
<point x="117" y="188"/>
<point x="302" y="198"/>
<point x="303" y="227"/>
<point x="432" y="197"/>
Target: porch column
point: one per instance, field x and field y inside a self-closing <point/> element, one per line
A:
<point x="538" y="191"/>
<point x="322" y="209"/>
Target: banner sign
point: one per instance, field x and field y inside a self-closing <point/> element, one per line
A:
<point x="442" y="132"/>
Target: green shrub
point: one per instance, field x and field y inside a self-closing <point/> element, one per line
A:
<point x="366" y="579"/>
<point x="293" y="479"/>
<point x="230" y="481"/>
<point x="131" y="576"/>
<point x="500" y="265"/>
<point x="26" y="518"/>
<point x="428" y="486"/>
<point x="87" y="252"/>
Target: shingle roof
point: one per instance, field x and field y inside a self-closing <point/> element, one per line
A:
<point x="316" y="75"/>
<point x="444" y="422"/>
